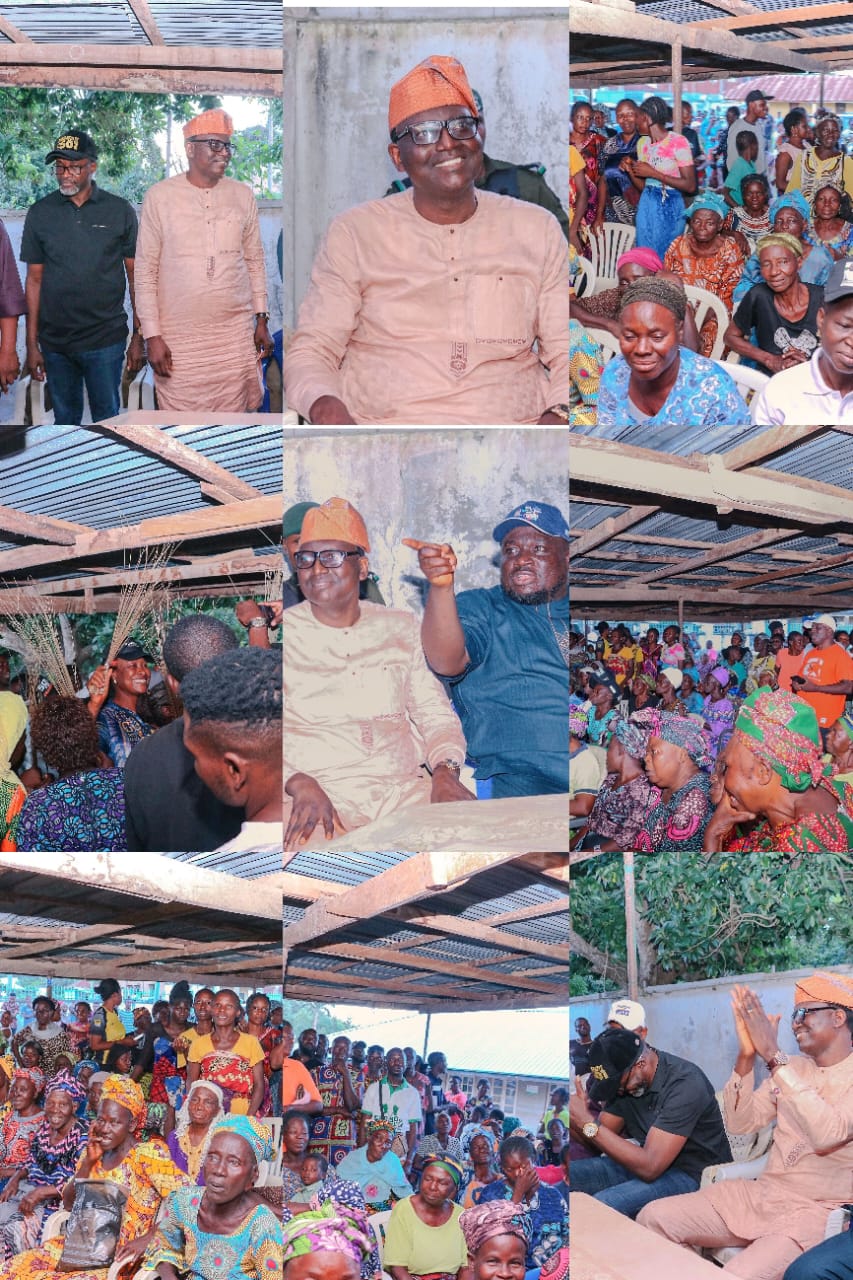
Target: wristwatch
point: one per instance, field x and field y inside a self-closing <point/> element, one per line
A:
<point x="262" y="315"/>
<point x="256" y="622"/>
<point x="779" y="1059"/>
<point x="453" y="765"/>
<point x="590" y="1129"/>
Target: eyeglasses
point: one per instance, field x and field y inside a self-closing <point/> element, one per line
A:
<point x="329" y="557"/>
<point x="429" y="131"/>
<point x="216" y="145"/>
<point x="799" y="1016"/>
<point x="62" y="166"/>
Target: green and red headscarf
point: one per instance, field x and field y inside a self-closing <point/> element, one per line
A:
<point x="782" y="730"/>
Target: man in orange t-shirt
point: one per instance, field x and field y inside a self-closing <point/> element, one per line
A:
<point x="825" y="678"/>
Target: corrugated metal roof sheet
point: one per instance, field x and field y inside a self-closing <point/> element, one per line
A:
<point x="248" y="24"/>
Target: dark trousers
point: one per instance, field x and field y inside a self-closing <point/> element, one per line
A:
<point x="100" y="371"/>
<point x="832" y="1260"/>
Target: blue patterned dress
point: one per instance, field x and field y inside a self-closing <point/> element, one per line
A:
<point x="703" y="395"/>
<point x="253" y="1251"/>
<point x="82" y="812"/>
<point x="119" y="730"/>
<point x="549" y="1216"/>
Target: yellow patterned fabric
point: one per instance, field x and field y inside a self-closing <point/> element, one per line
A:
<point x="147" y="1174"/>
<point x="253" y="1251"/>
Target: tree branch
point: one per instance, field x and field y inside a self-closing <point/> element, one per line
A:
<point x="600" y="961"/>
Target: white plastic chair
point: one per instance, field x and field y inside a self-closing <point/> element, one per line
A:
<point x="708" y="303"/>
<point x="585" y="278"/>
<point x="607" y="342"/>
<point x="749" y="381"/>
<point x="378" y="1223"/>
<point x="140" y="393"/>
<point x="616" y="238"/>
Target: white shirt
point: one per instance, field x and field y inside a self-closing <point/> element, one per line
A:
<point x="398" y="1104"/>
<point x="800" y="395"/>
<point x="257" y="837"/>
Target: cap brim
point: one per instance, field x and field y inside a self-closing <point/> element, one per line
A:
<point x="67" y="155"/>
<point x="602" y="1092"/>
<point x="500" y="531"/>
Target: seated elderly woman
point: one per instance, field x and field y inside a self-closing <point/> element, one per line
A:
<point x="422" y="1237"/>
<point x="828" y="228"/>
<point x="707" y="259"/>
<point x="789" y="215"/>
<point x="676" y="762"/>
<point x="333" y="1242"/>
<point x="222" y="1233"/>
<point x="839" y="744"/>
<point x="376" y="1168"/>
<point x="36" y="1187"/>
<point x="656" y="380"/>
<point x="84" y="808"/>
<point x="601" y="310"/>
<point x="19" y="1121"/>
<point x="497" y="1235"/>
<point x="626" y="794"/>
<point x="668" y="687"/>
<point x="195" y="1124"/>
<point x="776" y="792"/>
<point x="144" y="1170"/>
<point x="781" y="311"/>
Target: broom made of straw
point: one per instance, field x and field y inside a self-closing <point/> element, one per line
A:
<point x="33" y="622"/>
<point x="136" y="599"/>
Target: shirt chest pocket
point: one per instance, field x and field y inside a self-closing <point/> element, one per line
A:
<point x="229" y="234"/>
<point x="503" y="309"/>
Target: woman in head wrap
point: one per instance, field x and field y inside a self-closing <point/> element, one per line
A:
<point x="422" y="1237"/>
<point x="334" y="1239"/>
<point x="224" y="1233"/>
<point x="21" y="1121"/>
<point x="667" y="687"/>
<point x="626" y="794"/>
<point x="827" y="225"/>
<point x="376" y="1168"/>
<point x="839" y="744"/>
<point x="789" y="215"/>
<point x="13" y="724"/>
<point x="719" y="710"/>
<point x="664" y="173"/>
<point x="656" y="380"/>
<point x="706" y="259"/>
<point x="497" y="1235"/>
<point x="677" y="759"/>
<point x="776" y="793"/>
<point x="35" y="1189"/>
<point x="781" y="312"/>
<point x="642" y="693"/>
<point x="112" y="1154"/>
<point x="194" y="1126"/>
<point x="600" y="310"/>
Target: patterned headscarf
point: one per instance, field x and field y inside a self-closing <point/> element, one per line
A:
<point x="494" y="1218"/>
<point x="790" y="200"/>
<point x="643" y="257"/>
<point x="780" y="240"/>
<point x="782" y="730"/>
<point x="33" y="1074"/>
<point x="708" y="200"/>
<point x="845" y="722"/>
<point x="633" y="735"/>
<point x="383" y="1124"/>
<point x="723" y="676"/>
<point x="258" y="1135"/>
<point x="85" y="1062"/>
<point x="333" y="1229"/>
<point x="62" y="1082"/>
<point x="447" y="1164"/>
<point x="578" y="723"/>
<point x="126" y="1093"/>
<point x="681" y="731"/>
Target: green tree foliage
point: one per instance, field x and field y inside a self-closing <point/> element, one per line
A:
<point x="706" y="917"/>
<point x="124" y="126"/>
<point x="302" y="1014"/>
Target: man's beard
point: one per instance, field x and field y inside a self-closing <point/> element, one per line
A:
<point x="535" y="597"/>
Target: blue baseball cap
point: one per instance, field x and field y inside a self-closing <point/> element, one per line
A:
<point x="537" y="515"/>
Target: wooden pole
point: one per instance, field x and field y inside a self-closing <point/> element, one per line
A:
<point x="677" y="50"/>
<point x="681" y="615"/>
<point x="631" y="926"/>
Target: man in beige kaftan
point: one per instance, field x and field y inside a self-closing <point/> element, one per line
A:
<point x="200" y="280"/>
<point x="780" y="1214"/>
<point x="362" y="711"/>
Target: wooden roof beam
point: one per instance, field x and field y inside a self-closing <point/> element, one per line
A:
<point x="13" y="33"/>
<point x="145" y="69"/>
<point x="44" y="528"/>
<point x="374" y="955"/>
<point x="609" y="528"/>
<point x="172" y="451"/>
<point x="458" y="926"/>
<point x="725" y="551"/>
<point x="267" y="975"/>
<point x="791" y="17"/>
<point x="817" y="566"/>
<point x="147" y="21"/>
<point x="774" y="440"/>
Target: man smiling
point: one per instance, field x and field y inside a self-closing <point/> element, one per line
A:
<point x="424" y="307"/>
<point x="504" y="652"/>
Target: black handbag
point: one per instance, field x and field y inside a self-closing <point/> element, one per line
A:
<point x="94" y="1226"/>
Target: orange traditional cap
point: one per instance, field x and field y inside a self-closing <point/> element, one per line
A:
<point x="438" y="81"/>
<point x="216" y="121"/>
<point x="337" y="519"/>
<point x="831" y="988"/>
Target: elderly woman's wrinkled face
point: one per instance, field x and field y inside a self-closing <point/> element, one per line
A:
<point x="828" y="133"/>
<point x="501" y="1258"/>
<point x="746" y="779"/>
<point x="629" y="272"/>
<point x="437" y="1185"/>
<point x="827" y="203"/>
<point x="687" y="685"/>
<point x="664" y="689"/>
<point x="789" y="222"/>
<point x="779" y="267"/>
<point x="838" y="742"/>
<point x="665" y="762"/>
<point x="705" y="225"/>
<point x="378" y="1144"/>
<point x="649" y="338"/>
<point x="22" y="1093"/>
<point x="321" y="1264"/>
<point x="202" y="1106"/>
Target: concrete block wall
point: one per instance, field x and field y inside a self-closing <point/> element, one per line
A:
<point x="448" y="486"/>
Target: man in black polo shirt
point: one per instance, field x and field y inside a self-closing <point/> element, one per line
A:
<point x="79" y="244"/>
<point x="664" y="1103"/>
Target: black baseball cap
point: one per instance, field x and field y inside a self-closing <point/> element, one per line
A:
<point x="608" y="680"/>
<point x="74" y="145"/>
<point x="756" y="95"/>
<point x="839" y="282"/>
<point x="130" y="651"/>
<point x="611" y="1054"/>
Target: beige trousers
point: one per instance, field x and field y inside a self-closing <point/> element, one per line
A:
<point x="691" y="1220"/>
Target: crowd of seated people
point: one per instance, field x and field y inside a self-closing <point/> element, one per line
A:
<point x="379" y="1135"/>
<point x="767" y="233"/>
<point x="135" y="759"/>
<point x="172" y="1114"/>
<point x="726" y="748"/>
<point x="647" y="1124"/>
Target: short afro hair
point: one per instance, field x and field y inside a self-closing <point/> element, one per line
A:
<point x="65" y="735"/>
<point x="236" y="698"/>
<point x="517" y="1146"/>
<point x="663" y="293"/>
<point x="193" y="640"/>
